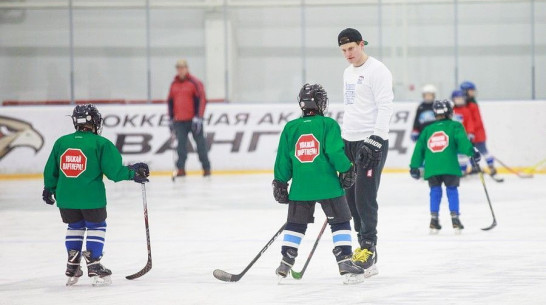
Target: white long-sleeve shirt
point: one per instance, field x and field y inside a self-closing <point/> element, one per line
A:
<point x="368" y="101"/>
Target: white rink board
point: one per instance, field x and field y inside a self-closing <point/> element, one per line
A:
<point x="244" y="137"/>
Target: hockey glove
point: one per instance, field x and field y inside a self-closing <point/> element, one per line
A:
<point x="414" y="135"/>
<point x="48" y="197"/>
<point x="141" y="172"/>
<point x="280" y="191"/>
<point x="471" y="137"/>
<point x="415" y="173"/>
<point x="171" y="126"/>
<point x="369" y="154"/>
<point x="196" y="125"/>
<point x="348" y="178"/>
<point x="475" y="159"/>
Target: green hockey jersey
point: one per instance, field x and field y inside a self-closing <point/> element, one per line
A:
<point x="75" y="168"/>
<point x="311" y="153"/>
<point x="438" y="146"/>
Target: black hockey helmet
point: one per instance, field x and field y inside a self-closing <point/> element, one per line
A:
<point x="443" y="107"/>
<point x="87" y="115"/>
<point x="313" y="99"/>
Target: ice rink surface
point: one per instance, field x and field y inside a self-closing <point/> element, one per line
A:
<point x="199" y="225"/>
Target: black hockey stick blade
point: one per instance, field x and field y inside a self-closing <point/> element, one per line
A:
<point x="298" y="275"/>
<point x="144" y="270"/>
<point x="228" y="277"/>
<point x="148" y="266"/>
<point x="494" y="224"/>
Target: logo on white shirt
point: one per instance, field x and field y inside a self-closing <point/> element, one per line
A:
<point x="360" y="80"/>
<point x="350" y="93"/>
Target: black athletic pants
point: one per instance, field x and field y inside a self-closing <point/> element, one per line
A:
<point x="182" y="129"/>
<point x="362" y="197"/>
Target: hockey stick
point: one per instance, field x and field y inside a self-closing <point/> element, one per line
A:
<point x="228" y="277"/>
<point x="299" y="275"/>
<point x="494" y="224"/>
<point x="513" y="171"/>
<point x="148" y="266"/>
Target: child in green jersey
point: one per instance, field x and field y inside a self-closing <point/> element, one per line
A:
<point x="73" y="177"/>
<point x="311" y="154"/>
<point x="437" y="147"/>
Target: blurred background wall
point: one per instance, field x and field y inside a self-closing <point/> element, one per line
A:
<point x="263" y="51"/>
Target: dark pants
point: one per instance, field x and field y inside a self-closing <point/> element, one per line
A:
<point x="181" y="130"/>
<point x="362" y="197"/>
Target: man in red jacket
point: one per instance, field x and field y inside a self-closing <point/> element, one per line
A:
<point x="187" y="103"/>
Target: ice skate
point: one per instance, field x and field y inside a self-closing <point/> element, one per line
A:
<point x="457" y="225"/>
<point x="73" y="269"/>
<point x="286" y="264"/>
<point x="366" y="258"/>
<point x="435" y="226"/>
<point x="352" y="274"/>
<point x="96" y="271"/>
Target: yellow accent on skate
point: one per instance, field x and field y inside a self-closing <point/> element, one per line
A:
<point x="362" y="255"/>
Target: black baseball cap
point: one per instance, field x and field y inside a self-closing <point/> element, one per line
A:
<point x="349" y="35"/>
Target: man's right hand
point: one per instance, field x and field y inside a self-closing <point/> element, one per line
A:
<point x="369" y="155"/>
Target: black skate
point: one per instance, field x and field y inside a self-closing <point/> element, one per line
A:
<point x="73" y="269"/>
<point x="366" y="258"/>
<point x="435" y="226"/>
<point x="287" y="262"/>
<point x="352" y="273"/>
<point x="96" y="271"/>
<point x="457" y="225"/>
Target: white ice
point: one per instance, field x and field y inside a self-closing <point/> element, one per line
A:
<point x="199" y="225"/>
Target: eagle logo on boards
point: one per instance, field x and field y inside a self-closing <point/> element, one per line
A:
<point x="307" y="148"/>
<point x="15" y="133"/>
<point x="438" y="142"/>
<point x="73" y="162"/>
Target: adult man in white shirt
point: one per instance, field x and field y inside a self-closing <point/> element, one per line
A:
<point x="368" y="96"/>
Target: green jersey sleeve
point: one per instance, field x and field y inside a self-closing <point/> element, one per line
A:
<point x="418" y="152"/>
<point x="283" y="162"/>
<point x="111" y="165"/>
<point x="335" y="148"/>
<point x="464" y="146"/>
<point x="51" y="170"/>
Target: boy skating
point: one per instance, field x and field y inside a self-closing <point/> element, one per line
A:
<point x="311" y="153"/>
<point x="437" y="147"/>
<point x="73" y="177"/>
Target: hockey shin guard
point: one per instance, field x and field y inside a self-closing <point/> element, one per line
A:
<point x="95" y="238"/>
<point x="74" y="236"/>
<point x="453" y="198"/>
<point x="341" y="234"/>
<point x="293" y="234"/>
<point x="435" y="198"/>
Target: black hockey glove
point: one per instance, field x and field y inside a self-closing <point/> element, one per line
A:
<point x="280" y="191"/>
<point x="48" y="197"/>
<point x="348" y="178"/>
<point x="415" y="173"/>
<point x="475" y="159"/>
<point x="141" y="172"/>
<point x="369" y="154"/>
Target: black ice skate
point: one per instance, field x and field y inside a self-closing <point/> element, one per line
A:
<point x="352" y="273"/>
<point x="435" y="226"/>
<point x="286" y="263"/>
<point x="73" y="269"/>
<point x="366" y="258"/>
<point x="96" y="271"/>
<point x="457" y="225"/>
